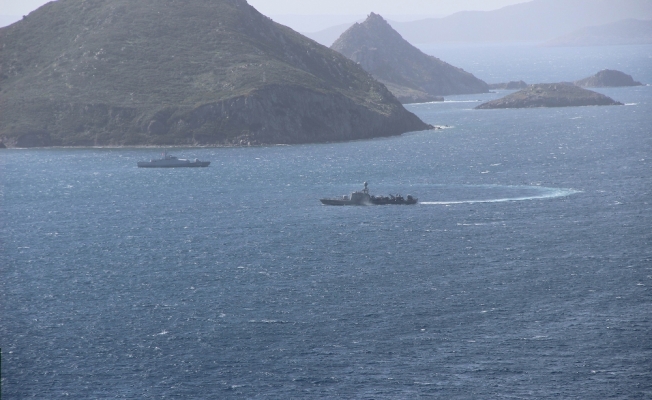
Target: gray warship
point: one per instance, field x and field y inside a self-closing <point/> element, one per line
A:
<point x="169" y="161"/>
<point x="363" y="198"/>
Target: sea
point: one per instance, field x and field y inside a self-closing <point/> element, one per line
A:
<point x="523" y="273"/>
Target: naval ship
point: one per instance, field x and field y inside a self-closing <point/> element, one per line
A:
<point x="363" y="198"/>
<point x="169" y="161"/>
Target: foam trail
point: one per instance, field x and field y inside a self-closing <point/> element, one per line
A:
<point x="549" y="193"/>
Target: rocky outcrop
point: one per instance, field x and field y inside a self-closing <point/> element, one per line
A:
<point x="608" y="78"/>
<point x="550" y="95"/>
<point x="511" y="85"/>
<point x="119" y="72"/>
<point x="407" y="72"/>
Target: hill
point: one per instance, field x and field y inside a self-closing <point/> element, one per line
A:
<point x="550" y="95"/>
<point x="193" y="72"/>
<point x="627" y="32"/>
<point x="409" y="73"/>
<point x="608" y="78"/>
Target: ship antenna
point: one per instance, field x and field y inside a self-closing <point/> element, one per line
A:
<point x="365" y="188"/>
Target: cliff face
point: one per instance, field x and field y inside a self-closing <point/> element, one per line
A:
<point x="118" y="72"/>
<point x="407" y="72"/>
<point x="608" y="78"/>
<point x="550" y="95"/>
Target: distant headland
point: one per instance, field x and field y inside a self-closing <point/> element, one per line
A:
<point x="511" y="85"/>
<point x="625" y="32"/>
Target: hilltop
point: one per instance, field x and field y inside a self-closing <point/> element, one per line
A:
<point x="550" y="95"/>
<point x="409" y="73"/>
<point x="192" y="72"/>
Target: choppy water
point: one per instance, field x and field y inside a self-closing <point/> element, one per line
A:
<point x="525" y="272"/>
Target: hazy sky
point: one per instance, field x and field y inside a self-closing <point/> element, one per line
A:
<point x="333" y="7"/>
<point x="387" y="7"/>
<point x="314" y="15"/>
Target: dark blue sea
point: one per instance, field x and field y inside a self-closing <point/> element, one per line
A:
<point x="524" y="272"/>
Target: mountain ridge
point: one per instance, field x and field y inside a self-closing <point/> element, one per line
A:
<point x="533" y="21"/>
<point x="626" y="32"/>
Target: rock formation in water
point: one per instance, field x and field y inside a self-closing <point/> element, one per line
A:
<point x="550" y="95"/>
<point x="511" y="85"/>
<point x="192" y="72"/>
<point x="406" y="71"/>
<point x="608" y="78"/>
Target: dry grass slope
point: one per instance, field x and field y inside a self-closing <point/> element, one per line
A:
<point x="182" y="72"/>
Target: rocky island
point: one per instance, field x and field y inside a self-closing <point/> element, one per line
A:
<point x="192" y="72"/>
<point x="411" y="75"/>
<point x="550" y="95"/>
<point x="608" y="78"/>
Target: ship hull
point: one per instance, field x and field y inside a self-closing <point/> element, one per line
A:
<point x="392" y="201"/>
<point x="334" y="202"/>
<point x="198" y="164"/>
<point x="372" y="201"/>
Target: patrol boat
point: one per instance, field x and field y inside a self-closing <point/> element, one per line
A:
<point x="169" y="161"/>
<point x="363" y="198"/>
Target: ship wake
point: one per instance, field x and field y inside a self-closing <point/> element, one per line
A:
<point x="542" y="193"/>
